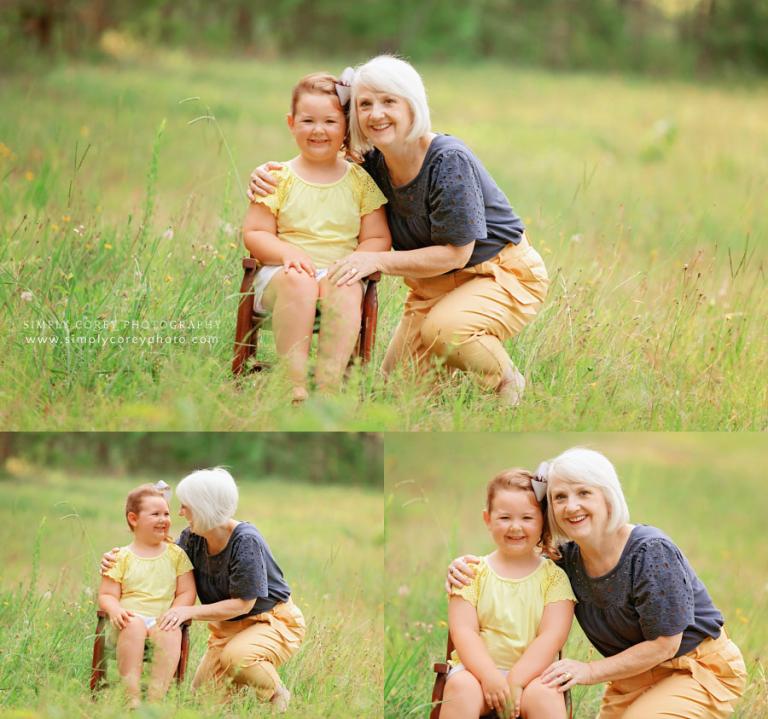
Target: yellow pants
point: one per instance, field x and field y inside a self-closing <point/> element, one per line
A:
<point x="705" y="683"/>
<point x="248" y="651"/>
<point x="465" y="316"/>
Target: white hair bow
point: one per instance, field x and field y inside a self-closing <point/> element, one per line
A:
<point x="539" y="482"/>
<point x="344" y="85"/>
<point x="165" y="488"/>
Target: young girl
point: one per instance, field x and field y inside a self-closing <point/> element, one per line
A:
<point x="323" y="209"/>
<point x="510" y="622"/>
<point x="151" y="575"/>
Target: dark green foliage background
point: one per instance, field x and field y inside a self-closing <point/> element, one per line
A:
<point x="317" y="458"/>
<point x="639" y="35"/>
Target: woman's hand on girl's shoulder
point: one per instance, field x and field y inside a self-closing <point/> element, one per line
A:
<point x="263" y="182"/>
<point x="460" y="573"/>
<point x="108" y="560"/>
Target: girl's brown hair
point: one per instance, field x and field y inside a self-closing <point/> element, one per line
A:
<point x="320" y="83"/>
<point x="520" y="480"/>
<point x="136" y="497"/>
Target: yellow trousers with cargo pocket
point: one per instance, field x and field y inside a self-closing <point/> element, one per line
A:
<point x="465" y="316"/>
<point x="703" y="684"/>
<point x="249" y="651"/>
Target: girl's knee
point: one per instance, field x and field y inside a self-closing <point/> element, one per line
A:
<point x="463" y="683"/>
<point x="540" y="700"/>
<point x="134" y="628"/>
<point x="296" y="283"/>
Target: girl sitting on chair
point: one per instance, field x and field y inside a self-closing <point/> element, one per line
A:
<point x="324" y="208"/>
<point x="509" y="624"/>
<point x="150" y="575"/>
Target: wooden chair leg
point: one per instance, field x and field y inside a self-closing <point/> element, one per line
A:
<point x="98" y="661"/>
<point x="181" y="670"/>
<point x="370" y="317"/>
<point x="246" y="338"/>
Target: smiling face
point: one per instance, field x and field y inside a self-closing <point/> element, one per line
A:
<point x="515" y="522"/>
<point x="580" y="510"/>
<point x="318" y="125"/>
<point x="153" y="520"/>
<point x="384" y="119"/>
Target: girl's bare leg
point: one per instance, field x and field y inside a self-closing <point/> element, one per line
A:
<point x="540" y="702"/>
<point x="130" y="657"/>
<point x="292" y="298"/>
<point x="463" y="697"/>
<point x="339" y="328"/>
<point x="166" y="659"/>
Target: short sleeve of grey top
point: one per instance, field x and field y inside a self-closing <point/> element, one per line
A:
<point x="244" y="569"/>
<point x="453" y="200"/>
<point x="651" y="592"/>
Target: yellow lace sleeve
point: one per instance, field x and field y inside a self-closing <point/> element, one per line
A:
<point x="471" y="592"/>
<point x="118" y="568"/>
<point x="277" y="199"/>
<point x="181" y="560"/>
<point x="371" y="197"/>
<point x="558" y="586"/>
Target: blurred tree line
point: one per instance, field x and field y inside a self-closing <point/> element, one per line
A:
<point x="320" y="458"/>
<point x="640" y="35"/>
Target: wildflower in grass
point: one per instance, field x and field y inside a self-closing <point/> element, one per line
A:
<point x="168" y="234"/>
<point x="85" y="131"/>
<point x="168" y="278"/>
<point x="27" y="296"/>
<point x="79" y="230"/>
<point x="5" y="151"/>
<point x="233" y="245"/>
<point x="66" y="218"/>
<point x="107" y="246"/>
<point x="54" y="227"/>
<point x="29" y="175"/>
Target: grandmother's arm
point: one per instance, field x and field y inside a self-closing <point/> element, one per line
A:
<point x="633" y="661"/>
<point x="636" y="659"/>
<point x="215" y="612"/>
<point x="423" y="262"/>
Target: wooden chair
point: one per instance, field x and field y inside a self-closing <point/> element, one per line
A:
<point x="249" y="321"/>
<point x="99" y="661"/>
<point x="441" y="671"/>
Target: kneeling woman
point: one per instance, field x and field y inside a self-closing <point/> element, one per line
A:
<point x="254" y="626"/>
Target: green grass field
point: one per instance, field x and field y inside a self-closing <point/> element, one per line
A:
<point x="706" y="491"/>
<point x="120" y="210"/>
<point x="54" y="527"/>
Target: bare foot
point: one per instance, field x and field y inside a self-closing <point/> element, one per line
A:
<point x="280" y="700"/>
<point x="299" y="395"/>
<point x="511" y="387"/>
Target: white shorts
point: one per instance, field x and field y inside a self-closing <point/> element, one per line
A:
<point x="263" y="277"/>
<point x="461" y="668"/>
<point x="113" y="632"/>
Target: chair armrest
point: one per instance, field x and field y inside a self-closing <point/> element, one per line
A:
<point x="441" y="667"/>
<point x="249" y="263"/>
<point x="373" y="277"/>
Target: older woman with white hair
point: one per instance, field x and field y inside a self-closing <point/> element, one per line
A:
<point x="474" y="280"/>
<point x="253" y="623"/>
<point x="665" y="652"/>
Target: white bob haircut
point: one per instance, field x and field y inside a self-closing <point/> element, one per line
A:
<point x="586" y="466"/>
<point x="390" y="74"/>
<point x="211" y="495"/>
